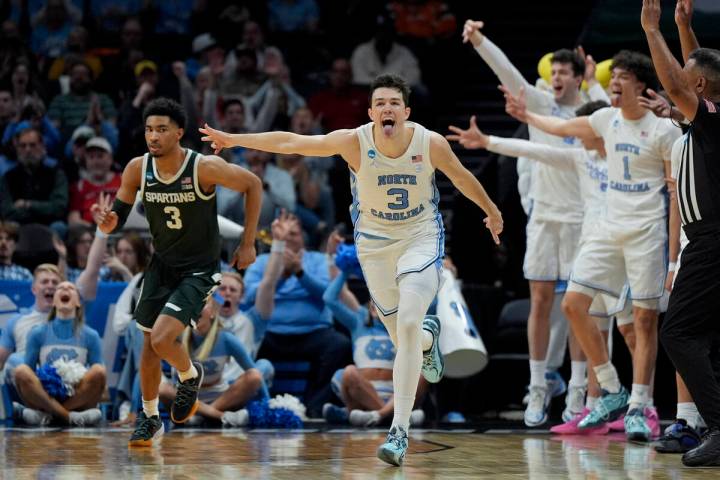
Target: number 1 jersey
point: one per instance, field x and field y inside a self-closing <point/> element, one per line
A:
<point x="182" y="218"/>
<point x="395" y="198"/>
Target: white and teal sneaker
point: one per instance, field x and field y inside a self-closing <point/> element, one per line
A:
<point x="636" y="426"/>
<point x="395" y="446"/>
<point x="608" y="408"/>
<point x="433" y="364"/>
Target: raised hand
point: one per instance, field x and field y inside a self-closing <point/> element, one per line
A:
<point x="471" y="32"/>
<point x="656" y="104"/>
<point x="590" y="66"/>
<point x="650" y="15"/>
<point x="683" y="13"/>
<point x="280" y="227"/>
<point x="217" y="138"/>
<point x="333" y="241"/>
<point x="494" y="223"/>
<point x="471" y="138"/>
<point x="516" y="107"/>
<point x="293" y="261"/>
<point x="102" y="214"/>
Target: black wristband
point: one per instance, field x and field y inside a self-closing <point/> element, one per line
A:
<point x="122" y="210"/>
<point x="300" y="273"/>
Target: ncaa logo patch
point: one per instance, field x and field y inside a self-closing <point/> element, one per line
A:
<point x="371" y="153"/>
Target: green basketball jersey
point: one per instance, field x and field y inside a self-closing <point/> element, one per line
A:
<point x="182" y="218"/>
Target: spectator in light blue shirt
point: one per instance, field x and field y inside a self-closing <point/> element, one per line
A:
<point x="301" y="326"/>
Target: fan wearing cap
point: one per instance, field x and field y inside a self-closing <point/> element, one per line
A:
<point x="98" y="178"/>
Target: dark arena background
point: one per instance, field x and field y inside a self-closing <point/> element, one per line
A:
<point x="75" y="76"/>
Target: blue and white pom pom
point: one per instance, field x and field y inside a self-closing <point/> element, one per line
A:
<point x="283" y="411"/>
<point x="71" y="372"/>
<point x="52" y="382"/>
<point x="346" y="260"/>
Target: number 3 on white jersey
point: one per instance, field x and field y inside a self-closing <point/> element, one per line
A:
<point x="175" y="222"/>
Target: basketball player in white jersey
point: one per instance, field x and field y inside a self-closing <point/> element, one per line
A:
<point x="554" y="224"/>
<point x="631" y="239"/>
<point x="591" y="166"/>
<point x="398" y="228"/>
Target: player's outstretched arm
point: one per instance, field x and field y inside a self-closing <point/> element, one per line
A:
<point x="668" y="69"/>
<point x="445" y="160"/>
<point x="339" y="142"/>
<point x="495" y="58"/>
<point x="683" y="19"/>
<point x="574" y="127"/>
<point x="216" y="171"/>
<point x="111" y="218"/>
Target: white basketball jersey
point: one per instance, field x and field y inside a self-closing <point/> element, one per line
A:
<point x="394" y="197"/>
<point x="636" y="151"/>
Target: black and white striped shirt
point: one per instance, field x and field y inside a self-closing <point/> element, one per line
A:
<point x="698" y="182"/>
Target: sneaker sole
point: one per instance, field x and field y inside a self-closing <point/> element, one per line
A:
<point x="148" y="443"/>
<point x="532" y="425"/>
<point x="189" y="416"/>
<point x="387" y="456"/>
<point x="638" y="437"/>
<point x="674" y="449"/>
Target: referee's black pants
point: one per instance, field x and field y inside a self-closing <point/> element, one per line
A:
<point x="691" y="328"/>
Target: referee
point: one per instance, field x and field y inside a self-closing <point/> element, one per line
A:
<point x="691" y="324"/>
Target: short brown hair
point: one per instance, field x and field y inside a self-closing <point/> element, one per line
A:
<point x="11" y="229"/>
<point x="395" y="82"/>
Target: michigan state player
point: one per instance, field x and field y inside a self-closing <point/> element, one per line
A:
<point x="177" y="187"/>
<point x="398" y="228"/>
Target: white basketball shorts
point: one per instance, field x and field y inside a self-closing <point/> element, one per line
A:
<point x="385" y="260"/>
<point x="614" y="253"/>
<point x="551" y="248"/>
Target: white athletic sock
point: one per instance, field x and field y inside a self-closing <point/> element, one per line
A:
<point x="427" y="340"/>
<point x="188" y="374"/>
<point x="639" y="396"/>
<point x="537" y="373"/>
<point x="607" y="377"/>
<point x="688" y="411"/>
<point x="150" y="407"/>
<point x="577" y="373"/>
<point x="590" y="402"/>
<point x="417" y="291"/>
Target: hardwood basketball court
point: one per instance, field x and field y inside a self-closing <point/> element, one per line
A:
<point x="345" y="454"/>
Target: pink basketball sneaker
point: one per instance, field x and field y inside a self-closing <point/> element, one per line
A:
<point x="571" y="427"/>
<point x="653" y="421"/>
<point x="618" y="425"/>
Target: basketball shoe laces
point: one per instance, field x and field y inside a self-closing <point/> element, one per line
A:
<point x="397" y="439"/>
<point x="601" y="408"/>
<point x="185" y="393"/>
<point x="144" y="427"/>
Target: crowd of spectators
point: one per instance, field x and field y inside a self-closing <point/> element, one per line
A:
<point x="74" y="79"/>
